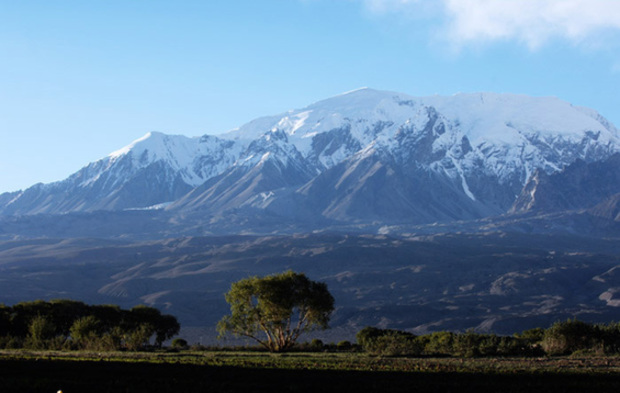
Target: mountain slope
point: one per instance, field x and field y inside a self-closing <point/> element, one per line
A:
<point x="608" y="209"/>
<point x="269" y="163"/>
<point x="580" y="185"/>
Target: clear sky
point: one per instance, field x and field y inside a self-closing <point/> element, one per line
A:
<point x="80" y="79"/>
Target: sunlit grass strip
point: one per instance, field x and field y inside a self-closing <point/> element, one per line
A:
<point x="339" y="362"/>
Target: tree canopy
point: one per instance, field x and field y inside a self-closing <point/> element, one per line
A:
<point x="64" y="323"/>
<point x="275" y="310"/>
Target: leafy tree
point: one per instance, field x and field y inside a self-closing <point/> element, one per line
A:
<point x="85" y="332"/>
<point x="279" y="307"/>
<point x="5" y="320"/>
<point x="23" y="313"/>
<point x="367" y="335"/>
<point x="179" y="343"/>
<point x="110" y="315"/>
<point x="40" y="330"/>
<point x="439" y="343"/>
<point x="467" y="344"/>
<point x="388" y="342"/>
<point x="344" y="345"/>
<point x="532" y="336"/>
<point x="64" y="313"/>
<point x="166" y="327"/>
<point x="610" y="337"/>
<point x="567" y="337"/>
<point x="49" y="324"/>
<point x="316" y="344"/>
<point x="113" y="339"/>
<point x="139" y="337"/>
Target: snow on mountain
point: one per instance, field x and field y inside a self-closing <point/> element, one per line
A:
<point x="358" y="109"/>
<point x="195" y="159"/>
<point x="473" y="139"/>
<point x="508" y="132"/>
<point x="268" y="164"/>
<point x="154" y="169"/>
<point x="471" y="153"/>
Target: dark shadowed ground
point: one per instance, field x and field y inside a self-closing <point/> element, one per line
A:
<point x="49" y="376"/>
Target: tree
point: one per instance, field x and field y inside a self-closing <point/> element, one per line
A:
<point x="139" y="337"/>
<point x="167" y="327"/>
<point x="179" y="343"/>
<point x="564" y="338"/>
<point x="164" y="326"/>
<point x="388" y="342"/>
<point x="64" y="313"/>
<point x="41" y="330"/>
<point x="275" y="310"/>
<point x="85" y="332"/>
<point x="5" y="320"/>
<point x="24" y="313"/>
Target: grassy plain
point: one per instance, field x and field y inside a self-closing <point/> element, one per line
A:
<point x="224" y="371"/>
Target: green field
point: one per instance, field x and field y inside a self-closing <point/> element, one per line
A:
<point x="27" y="371"/>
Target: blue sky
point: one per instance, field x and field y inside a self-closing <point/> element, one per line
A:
<point x="80" y="79"/>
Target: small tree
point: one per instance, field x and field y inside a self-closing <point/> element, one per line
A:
<point x="281" y="307"/>
<point x="139" y="338"/>
<point x="40" y="330"/>
<point x="85" y="332"/>
<point x="166" y="327"/>
<point x="564" y="338"/>
<point x="388" y="342"/>
<point x="5" y="320"/>
<point x="179" y="343"/>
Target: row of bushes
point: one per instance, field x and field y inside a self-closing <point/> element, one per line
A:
<point x="68" y="324"/>
<point x="562" y="338"/>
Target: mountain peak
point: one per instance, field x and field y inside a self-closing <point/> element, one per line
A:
<point x="149" y="140"/>
<point x="359" y="99"/>
<point x="471" y="151"/>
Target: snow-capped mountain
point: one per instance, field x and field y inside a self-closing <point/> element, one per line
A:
<point x="504" y="130"/>
<point x="387" y="156"/>
<point x="363" y="155"/>
<point x="154" y="169"/>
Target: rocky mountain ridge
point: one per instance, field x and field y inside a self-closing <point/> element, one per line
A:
<point x="364" y="156"/>
<point x="580" y="185"/>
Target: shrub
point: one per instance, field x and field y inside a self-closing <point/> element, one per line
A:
<point x="344" y="345"/>
<point x="139" y="338"/>
<point x="316" y="344"/>
<point x="564" y="338"/>
<point x="387" y="342"/>
<point x="467" y="344"/>
<point x="179" y="343"/>
<point x="439" y="343"/>
<point x="11" y="342"/>
<point x="198" y="347"/>
<point x="40" y="330"/>
<point x="365" y="336"/>
<point x="532" y="336"/>
<point x="85" y="332"/>
<point x="610" y="338"/>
